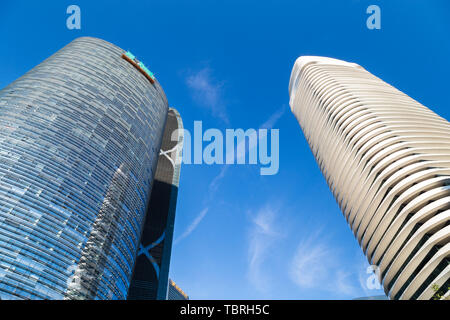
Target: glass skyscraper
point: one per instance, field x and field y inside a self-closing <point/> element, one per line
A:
<point x="151" y="273"/>
<point x="79" y="142"/>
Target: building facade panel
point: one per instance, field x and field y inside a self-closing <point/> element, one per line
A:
<point x="151" y="275"/>
<point x="175" y="292"/>
<point x="386" y="158"/>
<point x="79" y="141"/>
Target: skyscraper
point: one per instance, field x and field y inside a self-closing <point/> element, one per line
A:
<point x="151" y="273"/>
<point x="386" y="158"/>
<point x="79" y="143"/>
<point x="175" y="292"/>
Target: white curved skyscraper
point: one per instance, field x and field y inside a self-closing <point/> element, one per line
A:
<point x="386" y="158"/>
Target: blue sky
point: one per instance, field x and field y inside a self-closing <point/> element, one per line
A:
<point x="239" y="235"/>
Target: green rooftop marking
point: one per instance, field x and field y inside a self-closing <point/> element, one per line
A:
<point x="140" y="64"/>
<point x="146" y="70"/>
<point x="130" y="55"/>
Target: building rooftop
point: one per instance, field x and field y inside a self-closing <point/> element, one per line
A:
<point x="303" y="61"/>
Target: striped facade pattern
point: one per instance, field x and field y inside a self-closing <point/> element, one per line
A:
<point x="175" y="292"/>
<point x="386" y="158"/>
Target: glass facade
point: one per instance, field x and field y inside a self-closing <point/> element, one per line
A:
<point x="175" y="293"/>
<point x="79" y="141"/>
<point x="151" y="273"/>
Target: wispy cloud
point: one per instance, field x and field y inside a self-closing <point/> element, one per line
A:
<point x="344" y="283"/>
<point x="311" y="263"/>
<point x="193" y="225"/>
<point x="213" y="186"/>
<point x="273" y="119"/>
<point x="203" y="87"/>
<point x="208" y="92"/>
<point x="262" y="237"/>
<point x="316" y="265"/>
